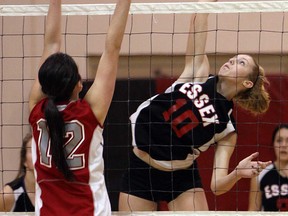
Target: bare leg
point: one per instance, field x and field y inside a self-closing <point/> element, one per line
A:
<point x="191" y="200"/>
<point x="129" y="202"/>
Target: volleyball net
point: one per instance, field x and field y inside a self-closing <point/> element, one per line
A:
<point x="152" y="57"/>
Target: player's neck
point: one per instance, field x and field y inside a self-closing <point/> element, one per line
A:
<point x="225" y="90"/>
<point x="282" y="167"/>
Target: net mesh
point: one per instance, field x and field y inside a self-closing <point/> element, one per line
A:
<point x="152" y="56"/>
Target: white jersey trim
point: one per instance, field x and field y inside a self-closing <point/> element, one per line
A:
<point x="38" y="191"/>
<point x="97" y="184"/>
<point x="134" y="116"/>
<point x="264" y="172"/>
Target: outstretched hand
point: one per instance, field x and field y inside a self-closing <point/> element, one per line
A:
<point x="247" y="168"/>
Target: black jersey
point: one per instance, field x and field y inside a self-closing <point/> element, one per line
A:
<point x="183" y="121"/>
<point x="22" y="201"/>
<point x="274" y="188"/>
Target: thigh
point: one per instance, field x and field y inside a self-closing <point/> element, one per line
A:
<point x="190" y="200"/>
<point x="137" y="180"/>
<point x="128" y="202"/>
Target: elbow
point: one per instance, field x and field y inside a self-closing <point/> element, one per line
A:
<point x="54" y="47"/>
<point x="217" y="191"/>
<point x="112" y="48"/>
<point x="113" y="43"/>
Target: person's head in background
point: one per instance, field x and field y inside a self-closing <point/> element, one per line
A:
<point x="26" y="163"/>
<point x="280" y="142"/>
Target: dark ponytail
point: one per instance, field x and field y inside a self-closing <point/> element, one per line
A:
<point x="58" y="77"/>
<point x="56" y="128"/>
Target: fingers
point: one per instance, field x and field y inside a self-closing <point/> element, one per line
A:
<point x="256" y="172"/>
<point x="256" y="169"/>
<point x="255" y="165"/>
<point x="258" y="166"/>
<point x="253" y="156"/>
<point x="262" y="165"/>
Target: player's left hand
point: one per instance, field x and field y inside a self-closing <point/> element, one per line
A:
<point x="247" y="168"/>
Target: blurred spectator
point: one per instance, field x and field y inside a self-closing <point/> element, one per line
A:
<point x="269" y="190"/>
<point x="19" y="194"/>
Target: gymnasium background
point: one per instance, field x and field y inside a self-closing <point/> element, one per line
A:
<point x="148" y="69"/>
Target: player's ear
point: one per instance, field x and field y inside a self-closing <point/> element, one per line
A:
<point x="80" y="85"/>
<point x="247" y="84"/>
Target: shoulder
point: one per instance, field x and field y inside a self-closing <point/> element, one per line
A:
<point x="37" y="110"/>
<point x="39" y="104"/>
<point x="16" y="183"/>
<point x="177" y="84"/>
<point x="79" y="107"/>
<point x="7" y="201"/>
<point x="268" y="172"/>
<point x="80" y="110"/>
<point x="8" y="189"/>
<point x="211" y="80"/>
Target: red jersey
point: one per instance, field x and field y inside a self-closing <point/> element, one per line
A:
<point x="87" y="195"/>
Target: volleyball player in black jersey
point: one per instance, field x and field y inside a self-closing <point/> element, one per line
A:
<point x="269" y="191"/>
<point x="170" y="130"/>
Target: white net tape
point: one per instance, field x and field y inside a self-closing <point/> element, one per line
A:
<point x="165" y="213"/>
<point x="148" y="8"/>
<point x="168" y="8"/>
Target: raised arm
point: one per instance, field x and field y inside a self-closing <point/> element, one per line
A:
<point x="196" y="62"/>
<point x="101" y="92"/>
<point x="52" y="44"/>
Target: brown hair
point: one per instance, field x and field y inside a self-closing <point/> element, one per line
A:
<point x="22" y="167"/>
<point x="277" y="129"/>
<point x="256" y="99"/>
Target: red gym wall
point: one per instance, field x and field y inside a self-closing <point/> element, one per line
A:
<point x="254" y="134"/>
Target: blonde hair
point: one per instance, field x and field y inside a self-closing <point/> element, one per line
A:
<point x="256" y="99"/>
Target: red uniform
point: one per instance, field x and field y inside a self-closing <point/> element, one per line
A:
<point x="87" y="195"/>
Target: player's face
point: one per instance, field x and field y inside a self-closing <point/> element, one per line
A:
<point x="28" y="162"/>
<point x="281" y="144"/>
<point x="237" y="68"/>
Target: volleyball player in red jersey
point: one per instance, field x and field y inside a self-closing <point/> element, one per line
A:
<point x="67" y="131"/>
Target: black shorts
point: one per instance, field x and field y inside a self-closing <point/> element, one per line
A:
<point x="146" y="182"/>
